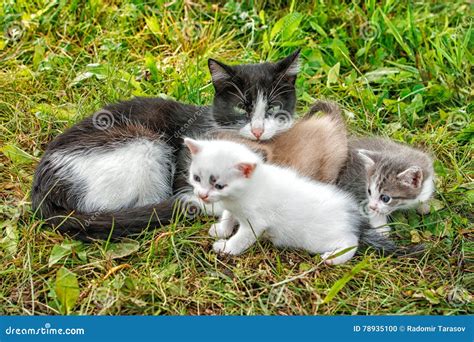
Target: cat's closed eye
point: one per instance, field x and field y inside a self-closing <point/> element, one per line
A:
<point x="273" y="109"/>
<point x="240" y="109"/>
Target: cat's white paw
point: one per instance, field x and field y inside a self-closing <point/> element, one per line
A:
<point x="224" y="247"/>
<point x="326" y="256"/>
<point x="329" y="258"/>
<point x="219" y="246"/>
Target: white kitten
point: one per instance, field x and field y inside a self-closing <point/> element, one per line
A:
<point x="273" y="202"/>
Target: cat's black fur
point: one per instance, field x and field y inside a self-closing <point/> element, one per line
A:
<point x="56" y="199"/>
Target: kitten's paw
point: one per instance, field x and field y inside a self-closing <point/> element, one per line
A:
<point x="326" y="257"/>
<point x="330" y="258"/>
<point x="224" y="247"/>
<point x="219" y="246"/>
<point x="190" y="207"/>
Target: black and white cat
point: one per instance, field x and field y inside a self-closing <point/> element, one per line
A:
<point x="120" y="171"/>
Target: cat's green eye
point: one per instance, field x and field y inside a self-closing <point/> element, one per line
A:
<point x="197" y="178"/>
<point x="385" y="198"/>
<point x="274" y="109"/>
<point x="239" y="109"/>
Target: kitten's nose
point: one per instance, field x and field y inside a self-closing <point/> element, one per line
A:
<point x="203" y="196"/>
<point x="257" y="132"/>
<point x="373" y="206"/>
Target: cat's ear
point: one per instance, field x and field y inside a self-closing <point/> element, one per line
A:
<point x="412" y="177"/>
<point x="246" y="169"/>
<point x="219" y="71"/>
<point x="368" y="157"/>
<point x="193" y="145"/>
<point x="290" y="65"/>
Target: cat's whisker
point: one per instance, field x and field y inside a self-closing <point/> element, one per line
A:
<point x="237" y="96"/>
<point x="242" y="96"/>
<point x="276" y="85"/>
<point x="284" y="91"/>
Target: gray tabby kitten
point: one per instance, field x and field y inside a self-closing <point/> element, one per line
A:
<point x="386" y="176"/>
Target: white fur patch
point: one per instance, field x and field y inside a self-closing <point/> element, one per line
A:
<point x="134" y="174"/>
<point x="427" y="190"/>
<point x="271" y="125"/>
<point x="260" y="109"/>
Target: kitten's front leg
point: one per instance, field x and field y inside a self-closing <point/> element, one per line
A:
<point x="224" y="227"/>
<point x="379" y="222"/>
<point x="245" y="237"/>
<point x="213" y="209"/>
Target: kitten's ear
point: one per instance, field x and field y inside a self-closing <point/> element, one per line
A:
<point x="246" y="169"/>
<point x="290" y="65"/>
<point x="412" y="177"/>
<point x="193" y="145"/>
<point x="368" y="157"/>
<point x="219" y="71"/>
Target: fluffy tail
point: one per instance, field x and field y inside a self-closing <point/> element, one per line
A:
<point x="328" y="108"/>
<point x="123" y="223"/>
<point x="370" y="237"/>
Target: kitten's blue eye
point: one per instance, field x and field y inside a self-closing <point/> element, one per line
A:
<point x="385" y="198"/>
<point x="220" y="186"/>
<point x="197" y="178"/>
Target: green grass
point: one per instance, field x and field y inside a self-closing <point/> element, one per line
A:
<point x="402" y="71"/>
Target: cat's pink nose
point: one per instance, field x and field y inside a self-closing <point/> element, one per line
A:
<point x="257" y="132"/>
<point x="373" y="207"/>
<point x="203" y="196"/>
